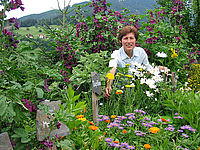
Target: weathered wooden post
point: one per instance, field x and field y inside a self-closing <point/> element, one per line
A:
<point x="43" y="120"/>
<point x="174" y="81"/>
<point x="5" y="143"/>
<point x="96" y="89"/>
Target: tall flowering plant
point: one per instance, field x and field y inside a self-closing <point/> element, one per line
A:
<point x="99" y="31"/>
<point x="165" y="34"/>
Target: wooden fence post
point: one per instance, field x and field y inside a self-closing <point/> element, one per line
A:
<point x="174" y="82"/>
<point x="96" y="89"/>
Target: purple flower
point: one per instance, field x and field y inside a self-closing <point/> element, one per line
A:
<point x="12" y="143"/>
<point x="45" y="85"/>
<point x="47" y="143"/>
<point x="124" y="144"/>
<point x="176" y="114"/>
<point x="178" y="117"/>
<point x="139" y="133"/>
<point x="131" y="117"/>
<point x="185" y="135"/>
<point x="117" y="145"/>
<point x="12" y="20"/>
<point x="130" y="147"/>
<point x="180" y="130"/>
<point x="57" y="137"/>
<point x="58" y="125"/>
<point x="108" y="140"/>
<point x="170" y="128"/>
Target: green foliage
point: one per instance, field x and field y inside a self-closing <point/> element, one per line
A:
<point x="88" y="63"/>
<point x="71" y="106"/>
<point x="185" y="103"/>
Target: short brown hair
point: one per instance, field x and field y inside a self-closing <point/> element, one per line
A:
<point x="126" y="30"/>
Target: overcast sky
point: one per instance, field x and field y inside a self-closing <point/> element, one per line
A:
<point x="39" y="6"/>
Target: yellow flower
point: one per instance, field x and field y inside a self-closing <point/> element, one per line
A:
<point x="113" y="116"/>
<point x="128" y="86"/>
<point x="154" y="130"/>
<point x="110" y="76"/>
<point x="147" y="146"/>
<point x="120" y="74"/>
<point x="174" y="53"/>
<point x="140" y="69"/>
<point x="82" y="119"/>
<point x="130" y="76"/>
<point x="127" y="65"/>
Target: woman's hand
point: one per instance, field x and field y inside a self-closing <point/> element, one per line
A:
<point x="107" y="92"/>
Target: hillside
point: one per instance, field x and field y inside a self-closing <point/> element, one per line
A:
<point x="51" y="17"/>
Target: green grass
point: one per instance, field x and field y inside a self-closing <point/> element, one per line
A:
<point x="35" y="31"/>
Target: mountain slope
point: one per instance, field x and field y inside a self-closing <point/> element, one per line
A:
<point x="135" y="6"/>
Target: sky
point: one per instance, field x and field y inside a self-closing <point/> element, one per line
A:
<point x="39" y="6"/>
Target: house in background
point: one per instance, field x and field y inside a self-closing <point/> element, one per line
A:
<point x="41" y="36"/>
<point x="29" y="36"/>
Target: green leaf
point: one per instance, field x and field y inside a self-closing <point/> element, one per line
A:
<point x="28" y="85"/>
<point x="25" y="139"/>
<point x="70" y="92"/>
<point x="40" y="92"/>
<point x="3" y="105"/>
<point x="16" y="85"/>
<point x="11" y="110"/>
<point x="75" y="98"/>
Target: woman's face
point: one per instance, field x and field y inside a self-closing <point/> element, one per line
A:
<point x="128" y="42"/>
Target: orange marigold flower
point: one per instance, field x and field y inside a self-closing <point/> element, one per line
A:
<point x="79" y="116"/>
<point x="113" y="116"/>
<point x="147" y="146"/>
<point x="108" y="121"/>
<point x="91" y="123"/>
<point x="154" y="130"/>
<point x="104" y="133"/>
<point x="164" y="120"/>
<point x="199" y="148"/>
<point x="93" y="128"/>
<point x="75" y="128"/>
<point x="124" y="131"/>
<point x="84" y="110"/>
<point x="119" y="92"/>
<point x="116" y="142"/>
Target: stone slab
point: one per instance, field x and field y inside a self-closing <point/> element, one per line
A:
<point x="5" y="143"/>
<point x="43" y="121"/>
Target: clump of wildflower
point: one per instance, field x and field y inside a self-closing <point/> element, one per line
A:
<point x="47" y="143"/>
<point x="29" y="105"/>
